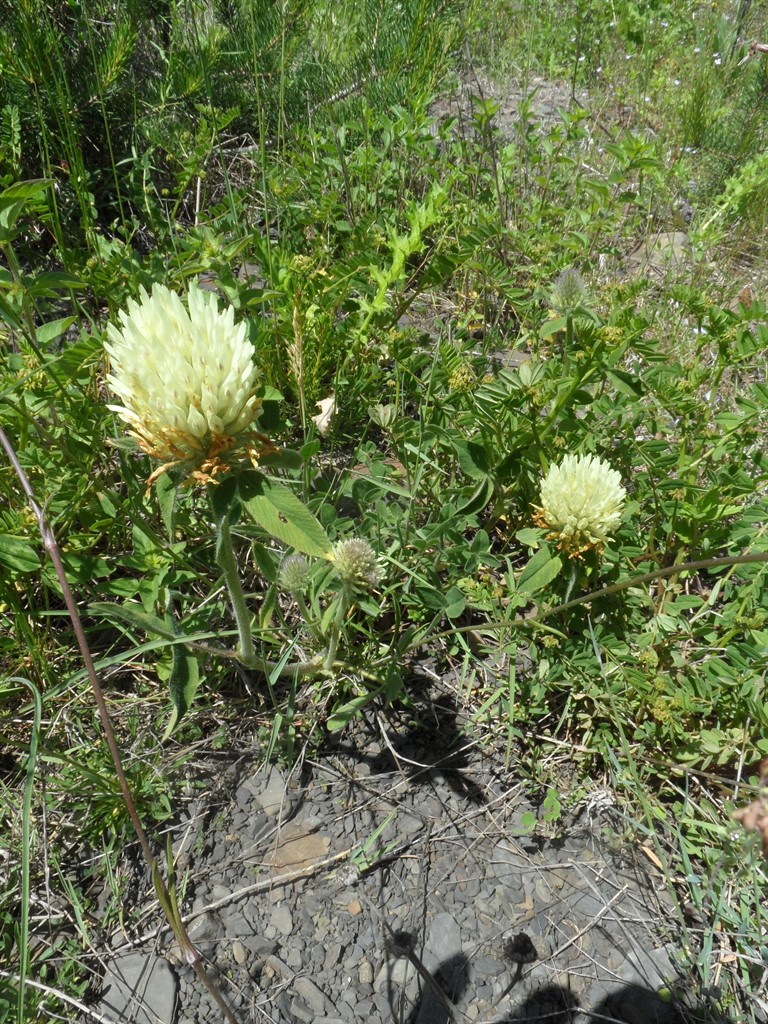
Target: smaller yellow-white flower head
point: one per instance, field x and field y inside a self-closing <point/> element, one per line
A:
<point x="295" y="574"/>
<point x="581" y="503"/>
<point x="186" y="377"/>
<point x="356" y="563"/>
<point x="569" y="292"/>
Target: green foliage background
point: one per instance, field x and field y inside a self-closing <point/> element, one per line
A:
<point x="399" y="251"/>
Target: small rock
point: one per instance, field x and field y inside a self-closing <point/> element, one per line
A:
<point x="313" y="996"/>
<point x="273" y="798"/>
<point x="365" y="973"/>
<point x="486" y="966"/>
<point x="238" y="925"/>
<point x="332" y="955"/>
<point x="444" y="939"/>
<point x="141" y="988"/>
<point x="298" y="849"/>
<point x="301" y="1012"/>
<point x="207" y="927"/>
<point x="409" y="824"/>
<point x="294" y="959"/>
<point x="260" y="946"/>
<point x="279" y="968"/>
<point x="244" y="796"/>
<point x="400" y="973"/>
<point x="239" y="952"/>
<point x="282" y="920"/>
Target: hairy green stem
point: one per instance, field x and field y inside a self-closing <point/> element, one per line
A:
<point x="344" y="597"/>
<point x="307" y="616"/>
<point x="225" y="557"/>
<point x="634" y="581"/>
<point x="263" y="665"/>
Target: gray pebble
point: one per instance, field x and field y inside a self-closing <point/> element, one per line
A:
<point x="302" y="1012"/>
<point x="281" y="919"/>
<point x="141" y="987"/>
<point x="294" y="958"/>
<point x="312" y="996"/>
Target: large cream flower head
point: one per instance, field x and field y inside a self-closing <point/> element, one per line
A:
<point x="581" y="503"/>
<point x="186" y="378"/>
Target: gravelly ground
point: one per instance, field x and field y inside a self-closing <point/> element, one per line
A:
<point x="396" y="880"/>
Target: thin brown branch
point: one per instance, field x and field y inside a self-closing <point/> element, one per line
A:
<point x="174" y="920"/>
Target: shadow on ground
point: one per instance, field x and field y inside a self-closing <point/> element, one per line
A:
<point x="554" y="1004"/>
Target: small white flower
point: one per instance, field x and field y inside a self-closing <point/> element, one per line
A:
<point x="581" y="503"/>
<point x="186" y="378"/>
<point x="322" y="421"/>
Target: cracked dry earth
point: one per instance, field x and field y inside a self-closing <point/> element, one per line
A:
<point x="396" y="879"/>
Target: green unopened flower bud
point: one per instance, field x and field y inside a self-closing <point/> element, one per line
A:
<point x="356" y="563"/>
<point x="569" y="292"/>
<point x="295" y="574"/>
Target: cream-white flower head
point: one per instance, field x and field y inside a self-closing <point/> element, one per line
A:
<point x="356" y="563"/>
<point x="581" y="503"/>
<point x="186" y="378"/>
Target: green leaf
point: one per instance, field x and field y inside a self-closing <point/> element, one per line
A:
<point x="278" y="511"/>
<point x="134" y="616"/>
<point x="553" y="326"/>
<point x="265" y="561"/>
<point x="285" y="458"/>
<point x="223" y="496"/>
<point x="24" y="190"/>
<point x="478" y="499"/>
<point x="528" y="821"/>
<point x="74" y="357"/>
<point x="258" y="297"/>
<point x="310" y="450"/>
<point x="13" y="200"/>
<point x="52" y="281"/>
<point x="541" y="570"/>
<point x="182" y="684"/>
<point x="165" y="489"/>
<point x="18" y="554"/>
<point x="49" y="332"/>
<point x="625" y="383"/>
<point x="342" y="716"/>
<point x="473" y="459"/>
<point x="455" y="603"/>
